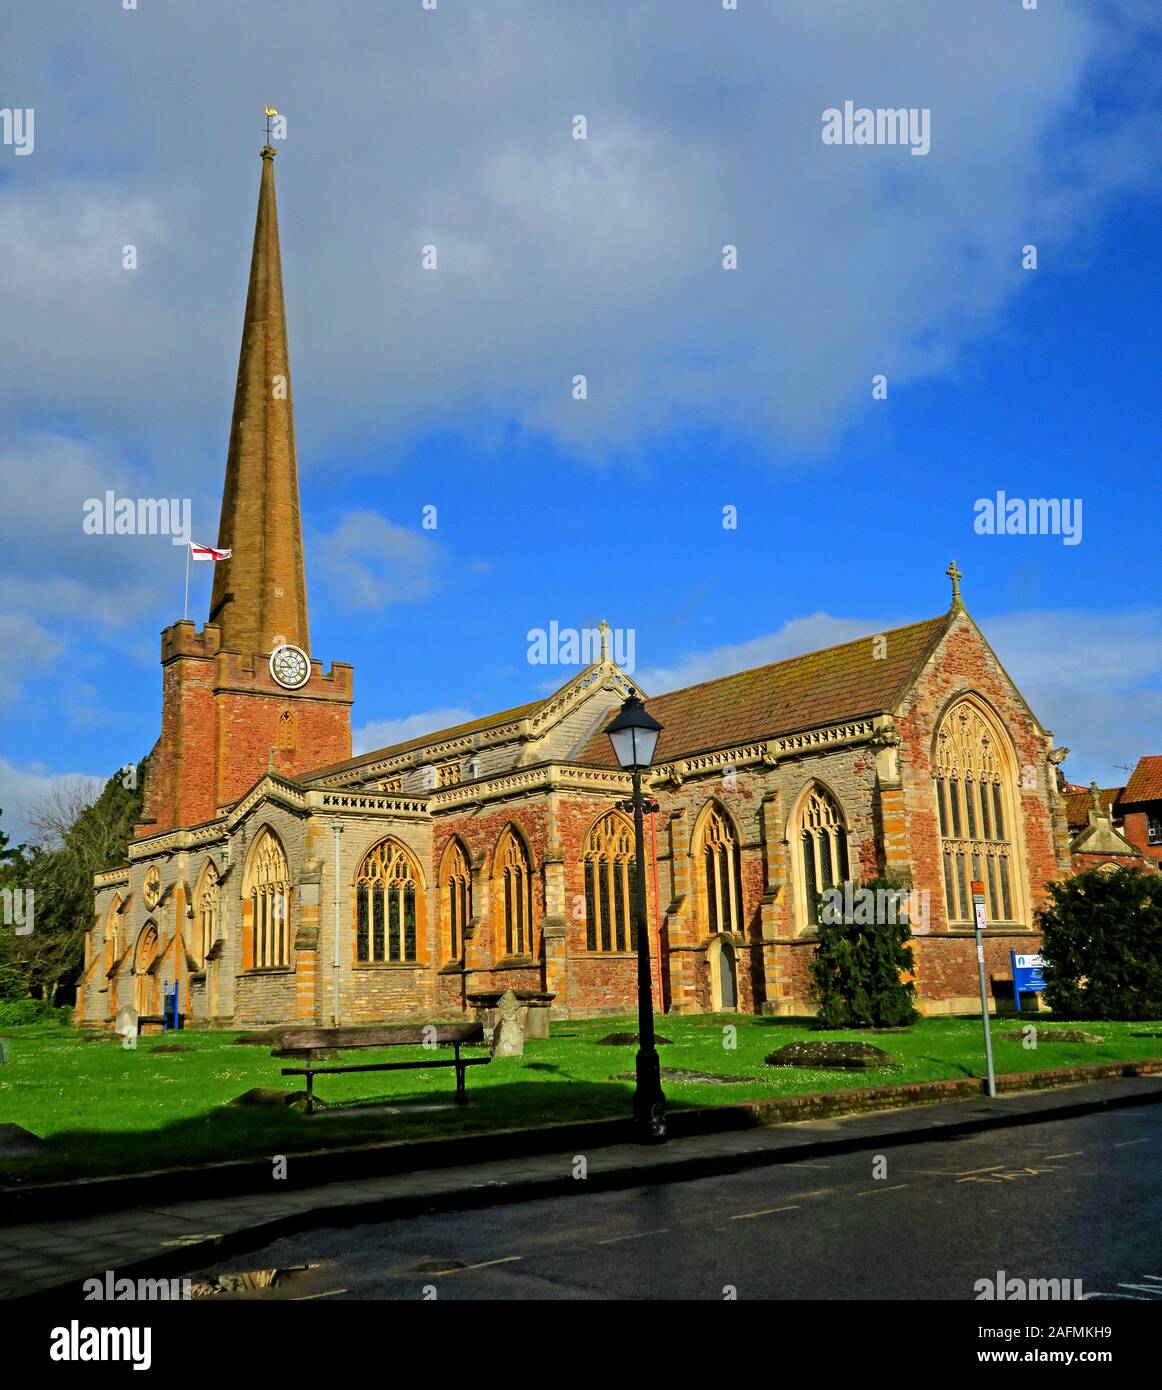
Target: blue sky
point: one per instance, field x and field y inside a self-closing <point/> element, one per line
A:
<point x="707" y="388"/>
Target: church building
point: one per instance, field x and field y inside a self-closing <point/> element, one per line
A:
<point x="274" y="878"/>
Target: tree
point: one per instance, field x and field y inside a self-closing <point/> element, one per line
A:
<point x="1101" y="937"/>
<point x="13" y="872"/>
<point x="857" y="974"/>
<point x="79" y="829"/>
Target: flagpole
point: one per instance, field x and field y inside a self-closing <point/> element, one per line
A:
<point x="186" y="600"/>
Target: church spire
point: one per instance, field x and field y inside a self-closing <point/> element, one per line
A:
<point x="259" y="598"/>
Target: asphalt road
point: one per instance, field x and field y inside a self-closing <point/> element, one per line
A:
<point x="1070" y="1199"/>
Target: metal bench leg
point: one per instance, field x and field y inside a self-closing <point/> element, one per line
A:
<point x="461" y="1094"/>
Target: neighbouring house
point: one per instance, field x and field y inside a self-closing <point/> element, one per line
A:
<point x="1109" y="826"/>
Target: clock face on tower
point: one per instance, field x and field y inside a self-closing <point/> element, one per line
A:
<point x="290" y="666"/>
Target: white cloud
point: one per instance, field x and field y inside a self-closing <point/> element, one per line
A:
<point x="556" y="255"/>
<point x="383" y="733"/>
<point x="369" y="561"/>
<point x="27" y="649"/>
<point x="1094" y="679"/>
<point x="22" y="789"/>
<point x="796" y="636"/>
<point x="1078" y="649"/>
<point x="49" y="567"/>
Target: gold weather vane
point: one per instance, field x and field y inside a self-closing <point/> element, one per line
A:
<point x="270" y="111"/>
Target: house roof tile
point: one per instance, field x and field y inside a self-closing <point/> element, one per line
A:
<point x="1145" y="782"/>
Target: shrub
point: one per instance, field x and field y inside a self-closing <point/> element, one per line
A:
<point x="856" y="975"/>
<point x="17" y="1011"/>
<point x="12" y="984"/>
<point x="1102" y="944"/>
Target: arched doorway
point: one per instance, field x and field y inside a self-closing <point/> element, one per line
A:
<point x="723" y="976"/>
<point x="143" y="982"/>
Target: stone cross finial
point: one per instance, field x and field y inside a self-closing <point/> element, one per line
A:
<point x="956" y="576"/>
<point x="604" y="628"/>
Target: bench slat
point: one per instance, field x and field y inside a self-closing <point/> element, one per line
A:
<point x="384" y="1066"/>
<point x="404" y="1035"/>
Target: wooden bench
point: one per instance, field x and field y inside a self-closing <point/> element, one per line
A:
<point x="312" y="1040"/>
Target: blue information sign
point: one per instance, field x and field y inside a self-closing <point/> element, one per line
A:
<point x="1027" y="975"/>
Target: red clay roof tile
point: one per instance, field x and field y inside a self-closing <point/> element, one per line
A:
<point x="1145" y="782"/>
<point x="842" y="682"/>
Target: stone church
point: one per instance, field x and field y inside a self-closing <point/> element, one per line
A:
<point x="275" y="878"/>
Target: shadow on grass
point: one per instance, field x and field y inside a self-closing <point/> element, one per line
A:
<point x="951" y="1064"/>
<point x="227" y="1133"/>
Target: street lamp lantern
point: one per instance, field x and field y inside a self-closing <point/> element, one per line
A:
<point x="633" y="732"/>
<point x="634" y="735"/>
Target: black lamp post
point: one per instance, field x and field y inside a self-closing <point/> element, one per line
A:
<point x="634" y="735"/>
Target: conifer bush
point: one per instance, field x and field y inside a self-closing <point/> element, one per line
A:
<point x="857" y="974"/>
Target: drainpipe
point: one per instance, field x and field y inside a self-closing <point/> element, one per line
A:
<point x="337" y="827"/>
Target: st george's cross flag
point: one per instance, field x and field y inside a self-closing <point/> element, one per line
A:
<point x="207" y="552"/>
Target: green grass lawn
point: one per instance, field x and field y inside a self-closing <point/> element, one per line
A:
<point x="103" y="1109"/>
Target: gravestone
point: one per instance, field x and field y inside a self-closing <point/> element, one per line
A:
<point x="508" y="1038"/>
<point x="126" y="1025"/>
<point x="537" y="1021"/>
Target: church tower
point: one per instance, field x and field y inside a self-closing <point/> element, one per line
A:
<point x="243" y="695"/>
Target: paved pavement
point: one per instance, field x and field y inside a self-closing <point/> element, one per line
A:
<point x="175" y="1238"/>
<point x="1074" y="1201"/>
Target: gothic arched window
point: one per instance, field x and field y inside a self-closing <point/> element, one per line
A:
<point x="455" y="898"/>
<point x="205" y="913"/>
<point x="112" y="919"/>
<point x="287" y="733"/>
<point x="975" y="804"/>
<point x="513" y="889"/>
<point x="386" y="906"/>
<point x="268" y="888"/>
<point x="610" y="879"/>
<point x="823" y="848"/>
<point x="721" y="873"/>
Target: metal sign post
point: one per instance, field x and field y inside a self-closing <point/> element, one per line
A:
<point x="978" y="908"/>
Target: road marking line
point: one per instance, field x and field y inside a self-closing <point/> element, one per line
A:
<point x="1145" y="1288"/>
<point x="872" y="1190"/>
<point x="968" y="1172"/>
<point x="1125" y="1144"/>
<point x="303" y="1297"/>
<point x="641" y="1235"/>
<point x="769" y="1211"/>
<point x="486" y="1264"/>
<point x="1073" y="1154"/>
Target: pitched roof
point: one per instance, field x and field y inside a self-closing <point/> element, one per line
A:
<point x="1077" y="805"/>
<point x="1145" y="782"/>
<point x="842" y="682"/>
<point x="473" y="726"/>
